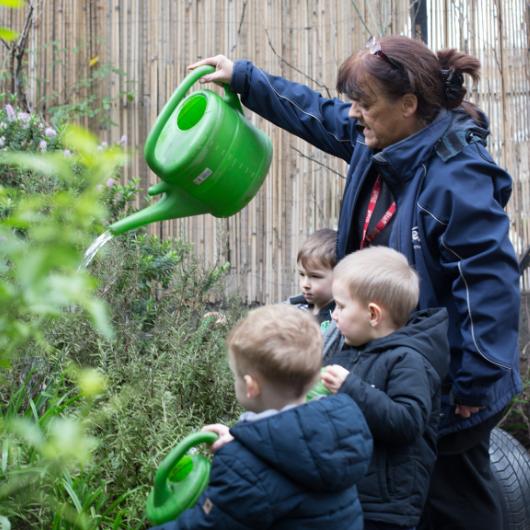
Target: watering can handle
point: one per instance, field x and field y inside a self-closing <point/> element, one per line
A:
<point x="230" y="98"/>
<point x="192" y="440"/>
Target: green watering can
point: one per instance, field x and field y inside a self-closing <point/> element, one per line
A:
<point x="180" y="479"/>
<point x="210" y="158"/>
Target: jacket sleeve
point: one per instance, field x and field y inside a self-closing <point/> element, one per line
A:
<point x="475" y="252"/>
<point x="398" y="413"/>
<point x="323" y="122"/>
<point x="234" y="500"/>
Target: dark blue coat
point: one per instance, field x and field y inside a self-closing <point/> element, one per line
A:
<point x="396" y="381"/>
<point x="295" y="470"/>
<point x="450" y="224"/>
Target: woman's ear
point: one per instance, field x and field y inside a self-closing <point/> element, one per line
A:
<point x="409" y="105"/>
<point x="252" y="387"/>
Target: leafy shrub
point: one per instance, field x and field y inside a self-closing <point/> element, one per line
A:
<point x="164" y="362"/>
<point x="43" y="424"/>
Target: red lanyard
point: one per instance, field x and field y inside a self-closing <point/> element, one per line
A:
<point x="368" y="238"/>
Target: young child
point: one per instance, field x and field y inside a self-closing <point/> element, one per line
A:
<point x="315" y="261"/>
<point x="285" y="464"/>
<point x="392" y="364"/>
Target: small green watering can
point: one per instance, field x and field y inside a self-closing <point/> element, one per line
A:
<point x="210" y="158"/>
<point x="180" y="479"/>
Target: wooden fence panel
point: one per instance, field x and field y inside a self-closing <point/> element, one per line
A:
<point x="151" y="42"/>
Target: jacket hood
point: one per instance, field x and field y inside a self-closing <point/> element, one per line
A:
<point x="324" y="445"/>
<point x="425" y="332"/>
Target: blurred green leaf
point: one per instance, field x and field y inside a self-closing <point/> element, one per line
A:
<point x="8" y="34"/>
<point x="12" y="3"/>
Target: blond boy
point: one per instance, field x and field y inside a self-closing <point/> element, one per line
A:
<point x="285" y="464"/>
<point x="392" y="362"/>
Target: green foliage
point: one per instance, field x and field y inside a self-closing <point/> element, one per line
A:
<point x="83" y="99"/>
<point x="41" y="236"/>
<point x="166" y="375"/>
<point x="88" y="440"/>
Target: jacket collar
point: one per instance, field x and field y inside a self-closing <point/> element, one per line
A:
<point x="398" y="162"/>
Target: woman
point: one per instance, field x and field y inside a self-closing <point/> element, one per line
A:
<point x="421" y="181"/>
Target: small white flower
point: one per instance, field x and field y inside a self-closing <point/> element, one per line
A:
<point x="123" y="140"/>
<point x="67" y="153"/>
<point x="23" y="116"/>
<point x="102" y="146"/>
<point x="49" y="132"/>
<point x="43" y="145"/>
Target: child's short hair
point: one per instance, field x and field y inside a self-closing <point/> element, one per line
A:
<point x="381" y="275"/>
<point x="320" y="248"/>
<point x="280" y="342"/>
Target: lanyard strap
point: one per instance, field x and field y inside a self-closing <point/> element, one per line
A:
<point x="366" y="239"/>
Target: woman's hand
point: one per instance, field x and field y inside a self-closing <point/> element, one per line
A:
<point x="224" y="69"/>
<point x="333" y="377"/>
<point x="222" y="431"/>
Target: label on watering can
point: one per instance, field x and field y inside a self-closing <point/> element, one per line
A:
<point x="199" y="179"/>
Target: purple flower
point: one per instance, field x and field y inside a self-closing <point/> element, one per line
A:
<point x="24" y="117"/>
<point x="43" y="145"/>
<point x="10" y="112"/>
<point x="49" y="132"/>
<point x="110" y="182"/>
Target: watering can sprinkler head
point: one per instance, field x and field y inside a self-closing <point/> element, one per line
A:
<point x="209" y="157"/>
<point x="180" y="480"/>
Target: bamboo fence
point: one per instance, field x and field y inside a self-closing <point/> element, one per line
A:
<point x="149" y="44"/>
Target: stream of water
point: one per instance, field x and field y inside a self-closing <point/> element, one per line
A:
<point x="93" y="249"/>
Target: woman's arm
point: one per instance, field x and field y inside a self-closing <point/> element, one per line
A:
<point x="477" y="256"/>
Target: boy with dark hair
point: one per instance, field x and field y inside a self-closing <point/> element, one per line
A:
<point x="315" y="261"/>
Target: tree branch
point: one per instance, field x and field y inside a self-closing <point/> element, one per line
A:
<point x="301" y="153"/>
<point x="321" y="85"/>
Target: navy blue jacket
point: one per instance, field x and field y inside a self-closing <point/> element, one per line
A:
<point x="295" y="470"/>
<point x="396" y="381"/>
<point x="450" y="224"/>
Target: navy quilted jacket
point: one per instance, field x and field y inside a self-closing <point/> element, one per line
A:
<point x="450" y="224"/>
<point x="295" y="470"/>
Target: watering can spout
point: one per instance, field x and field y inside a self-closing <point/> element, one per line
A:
<point x="174" y="204"/>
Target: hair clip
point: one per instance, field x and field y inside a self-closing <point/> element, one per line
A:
<point x="374" y="47"/>
<point x="453" y="82"/>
